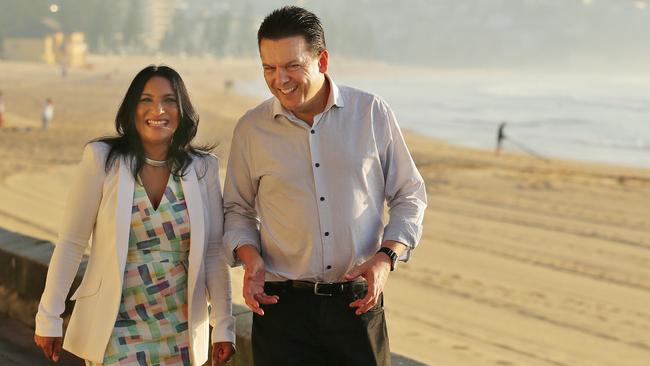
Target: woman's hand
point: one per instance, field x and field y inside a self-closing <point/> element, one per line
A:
<point x="222" y="352"/>
<point x="51" y="346"/>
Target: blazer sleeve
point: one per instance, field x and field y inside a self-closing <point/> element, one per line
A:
<point x="217" y="263"/>
<point x="79" y="218"/>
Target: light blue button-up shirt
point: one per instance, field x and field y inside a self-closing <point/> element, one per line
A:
<point x="312" y="199"/>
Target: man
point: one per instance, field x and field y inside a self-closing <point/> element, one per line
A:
<point x="501" y="136"/>
<point x="309" y="172"/>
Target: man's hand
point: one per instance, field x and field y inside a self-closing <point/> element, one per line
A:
<point x="375" y="271"/>
<point x="222" y="352"/>
<point x="51" y="346"/>
<point x="254" y="271"/>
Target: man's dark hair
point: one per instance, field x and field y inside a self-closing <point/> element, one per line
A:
<point x="127" y="144"/>
<point x="292" y="21"/>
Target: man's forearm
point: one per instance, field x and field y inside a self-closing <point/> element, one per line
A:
<point x="249" y="255"/>
<point x="395" y="246"/>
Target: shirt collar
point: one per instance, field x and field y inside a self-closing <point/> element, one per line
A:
<point x="334" y="99"/>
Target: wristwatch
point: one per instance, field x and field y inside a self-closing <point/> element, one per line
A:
<point x="391" y="254"/>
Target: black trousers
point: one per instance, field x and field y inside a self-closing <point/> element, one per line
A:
<point x="305" y="329"/>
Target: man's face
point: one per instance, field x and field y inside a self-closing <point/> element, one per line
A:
<point x="293" y="74"/>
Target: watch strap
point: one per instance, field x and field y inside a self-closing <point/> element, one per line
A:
<point x="391" y="254"/>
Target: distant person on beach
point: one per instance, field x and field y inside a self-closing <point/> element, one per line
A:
<point x="501" y="135"/>
<point x="48" y="113"/>
<point x="2" y="109"/>
<point x="228" y="85"/>
<point x="64" y="69"/>
<point x="309" y="172"/>
<point x="152" y="202"/>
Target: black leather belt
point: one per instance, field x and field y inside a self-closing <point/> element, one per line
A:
<point x="318" y="288"/>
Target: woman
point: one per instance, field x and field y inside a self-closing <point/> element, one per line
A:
<point x="152" y="202"/>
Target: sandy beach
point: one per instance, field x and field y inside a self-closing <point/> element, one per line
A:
<point x="522" y="262"/>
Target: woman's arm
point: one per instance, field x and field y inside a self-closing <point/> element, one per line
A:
<point x="217" y="271"/>
<point x="79" y="219"/>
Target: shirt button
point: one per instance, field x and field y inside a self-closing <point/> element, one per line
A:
<point x="317" y="165"/>
<point x="322" y="198"/>
<point x="313" y="132"/>
<point x="327" y="233"/>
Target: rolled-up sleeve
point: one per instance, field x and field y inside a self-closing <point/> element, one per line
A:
<point x="240" y="190"/>
<point x="405" y="191"/>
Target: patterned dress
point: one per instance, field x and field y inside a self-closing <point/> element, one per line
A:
<point x="152" y="325"/>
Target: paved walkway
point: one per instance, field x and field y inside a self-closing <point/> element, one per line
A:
<point x="17" y="347"/>
<point x="11" y="355"/>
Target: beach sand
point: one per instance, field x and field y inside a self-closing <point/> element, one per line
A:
<point x="522" y="262"/>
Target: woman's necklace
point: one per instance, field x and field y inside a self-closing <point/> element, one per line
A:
<point x="156" y="163"/>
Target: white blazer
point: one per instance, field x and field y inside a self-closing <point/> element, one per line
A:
<point x="100" y="203"/>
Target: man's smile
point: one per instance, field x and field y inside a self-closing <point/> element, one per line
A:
<point x="286" y="91"/>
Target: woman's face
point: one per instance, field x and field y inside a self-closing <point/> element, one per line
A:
<point x="156" y="115"/>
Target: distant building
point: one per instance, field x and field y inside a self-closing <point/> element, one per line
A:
<point x="75" y="49"/>
<point x="45" y="42"/>
<point x="159" y="16"/>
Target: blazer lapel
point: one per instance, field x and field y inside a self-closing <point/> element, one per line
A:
<point x="125" y="187"/>
<point x="197" y="225"/>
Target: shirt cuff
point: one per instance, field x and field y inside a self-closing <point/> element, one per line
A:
<point x="406" y="233"/>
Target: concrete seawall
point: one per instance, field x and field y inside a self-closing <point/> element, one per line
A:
<point x="23" y="268"/>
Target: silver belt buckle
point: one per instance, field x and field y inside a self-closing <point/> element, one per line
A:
<point x="322" y="283"/>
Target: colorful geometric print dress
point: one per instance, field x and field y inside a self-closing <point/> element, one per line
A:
<point x="152" y="325"/>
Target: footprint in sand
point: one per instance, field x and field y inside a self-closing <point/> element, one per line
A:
<point x="460" y="347"/>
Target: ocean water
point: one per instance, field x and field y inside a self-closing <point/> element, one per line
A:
<point x="600" y="118"/>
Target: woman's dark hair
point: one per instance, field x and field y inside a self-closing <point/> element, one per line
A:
<point x="292" y="21"/>
<point x="126" y="144"/>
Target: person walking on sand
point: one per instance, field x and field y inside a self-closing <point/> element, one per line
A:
<point x="501" y="135"/>
<point x="310" y="170"/>
<point x="48" y="113"/>
<point x="157" y="275"/>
